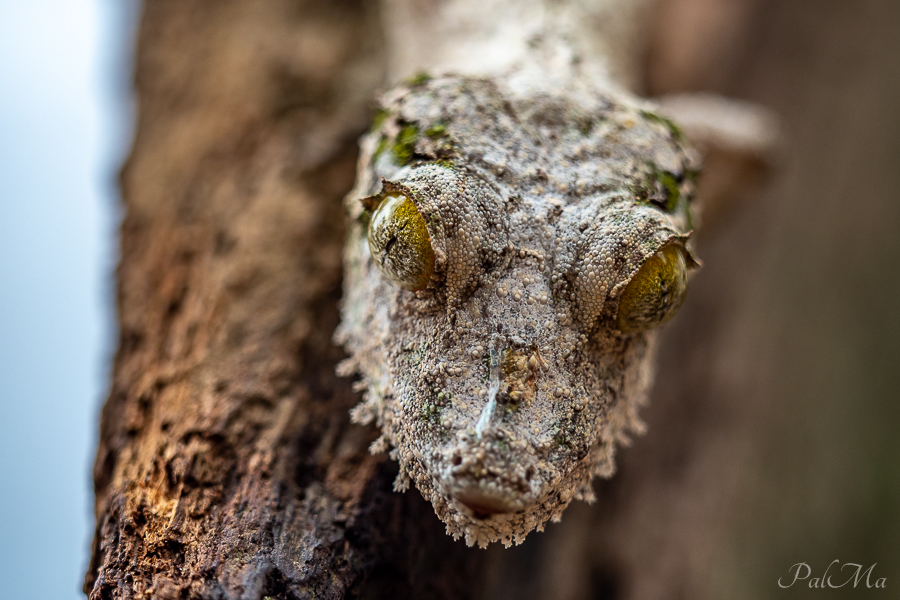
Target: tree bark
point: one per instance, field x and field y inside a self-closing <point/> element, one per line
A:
<point x="227" y="466"/>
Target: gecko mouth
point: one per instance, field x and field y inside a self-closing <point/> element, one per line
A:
<point x="488" y="479"/>
<point x="484" y="504"/>
<point x="490" y="495"/>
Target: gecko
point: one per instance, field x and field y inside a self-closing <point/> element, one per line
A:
<point x="512" y="254"/>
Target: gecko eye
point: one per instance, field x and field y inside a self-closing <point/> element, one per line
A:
<point x="400" y="244"/>
<point x="654" y="294"/>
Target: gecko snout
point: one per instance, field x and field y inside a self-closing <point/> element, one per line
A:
<point x="489" y="478"/>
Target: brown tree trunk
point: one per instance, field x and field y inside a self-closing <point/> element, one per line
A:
<point x="227" y="466"/>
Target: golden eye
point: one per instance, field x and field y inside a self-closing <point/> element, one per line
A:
<point x="400" y="244"/>
<point x="654" y="294"/>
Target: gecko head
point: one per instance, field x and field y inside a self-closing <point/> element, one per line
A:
<point x="506" y="333"/>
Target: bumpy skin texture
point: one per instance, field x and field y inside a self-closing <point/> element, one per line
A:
<point x="504" y="385"/>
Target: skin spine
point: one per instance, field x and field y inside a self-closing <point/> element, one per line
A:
<point x="503" y="385"/>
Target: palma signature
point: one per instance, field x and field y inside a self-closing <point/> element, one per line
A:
<point x="856" y="576"/>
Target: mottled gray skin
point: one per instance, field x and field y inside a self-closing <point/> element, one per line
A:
<point x="503" y="386"/>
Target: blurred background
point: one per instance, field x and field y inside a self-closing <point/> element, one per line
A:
<point x="64" y="128"/>
<point x="773" y="425"/>
<point x="783" y="439"/>
<point x="794" y="345"/>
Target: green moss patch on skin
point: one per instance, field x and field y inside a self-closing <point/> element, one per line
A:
<point x="672" y="191"/>
<point x="405" y="145"/>
<point x="445" y="163"/>
<point x="431" y="413"/>
<point x="402" y="147"/>
<point x="442" y="145"/>
<point x="436" y="131"/>
<point x="420" y="78"/>
<point x="661" y="188"/>
<point x="378" y="120"/>
<point x="380" y="148"/>
<point x="674" y="129"/>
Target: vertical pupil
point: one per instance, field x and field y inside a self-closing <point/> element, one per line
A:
<point x="390" y="242"/>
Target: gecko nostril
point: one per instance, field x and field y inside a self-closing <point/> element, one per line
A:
<point x="457" y="460"/>
<point x="529" y="474"/>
